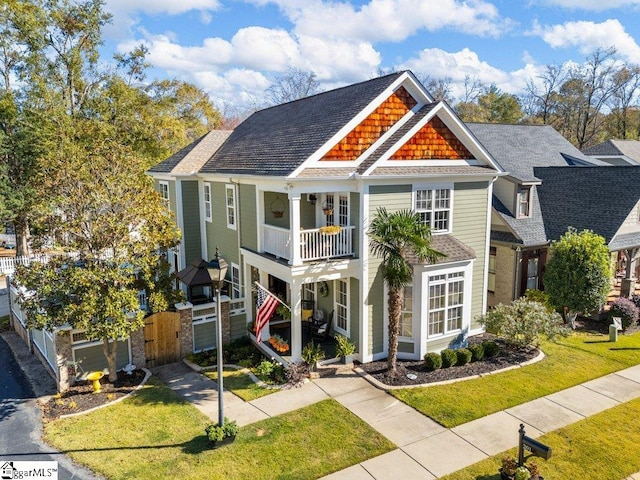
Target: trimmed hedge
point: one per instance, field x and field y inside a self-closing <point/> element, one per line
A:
<point x="477" y="352"/>
<point x="463" y="356"/>
<point x="432" y="361"/>
<point x="491" y="348"/>
<point x="449" y="357"/>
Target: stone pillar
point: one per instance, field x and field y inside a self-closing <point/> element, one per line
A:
<point x="226" y="321"/>
<point x="186" y="328"/>
<point x="65" y="372"/>
<point x="138" y="357"/>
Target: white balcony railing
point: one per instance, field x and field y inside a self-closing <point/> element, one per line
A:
<point x="313" y="244"/>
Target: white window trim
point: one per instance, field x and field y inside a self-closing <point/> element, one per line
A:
<point x="207" y="186"/>
<point x="164" y="187"/>
<point x="467" y="269"/>
<point x="239" y="285"/>
<point x="337" y="329"/>
<point x="230" y="188"/>
<point x="435" y="186"/>
<point x="404" y="338"/>
<point x="519" y="191"/>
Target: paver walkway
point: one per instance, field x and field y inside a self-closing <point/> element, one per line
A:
<point x="426" y="449"/>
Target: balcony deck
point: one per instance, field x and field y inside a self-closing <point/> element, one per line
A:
<point x="313" y="243"/>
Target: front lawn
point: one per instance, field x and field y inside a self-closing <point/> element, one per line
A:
<point x="240" y="384"/>
<point x="604" y="446"/>
<point x="569" y="362"/>
<point x="157" y="435"/>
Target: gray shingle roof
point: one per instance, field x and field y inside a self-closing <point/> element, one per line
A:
<point x="453" y="248"/>
<point x="530" y="230"/>
<point x="520" y="148"/>
<point x="616" y="148"/>
<point x="276" y="140"/>
<point x="593" y="198"/>
<point x="607" y="148"/>
<point x="193" y="156"/>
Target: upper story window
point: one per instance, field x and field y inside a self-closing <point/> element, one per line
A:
<point x="231" y="206"/>
<point x="434" y="206"/>
<point x="206" y="194"/>
<point x="524" y="202"/>
<point x="163" y="188"/>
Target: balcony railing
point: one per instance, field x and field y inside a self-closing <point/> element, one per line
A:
<point x="313" y="244"/>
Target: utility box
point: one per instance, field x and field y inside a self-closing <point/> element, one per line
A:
<point x="613" y="333"/>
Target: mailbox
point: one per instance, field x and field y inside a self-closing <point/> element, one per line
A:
<point x="532" y="446"/>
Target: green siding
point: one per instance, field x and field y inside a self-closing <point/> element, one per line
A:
<point x="204" y="336"/>
<point x="354" y="310"/>
<point x="218" y="234"/>
<point x="392" y="197"/>
<point x="470" y="227"/>
<point x="238" y="326"/>
<point x="191" y="220"/>
<point x="276" y="200"/>
<point x="92" y="358"/>
<point x="307" y="213"/>
<point x="354" y="214"/>
<point x="249" y="217"/>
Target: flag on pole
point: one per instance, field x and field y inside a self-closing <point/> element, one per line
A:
<point x="265" y="306"/>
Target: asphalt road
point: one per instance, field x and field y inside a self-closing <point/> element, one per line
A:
<point x="20" y="421"/>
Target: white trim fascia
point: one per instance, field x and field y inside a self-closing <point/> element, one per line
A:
<point x="357" y="119"/>
<point x="511" y="230"/>
<point x="203" y="223"/>
<point x="161" y="176"/>
<point x="182" y="256"/>
<point x="363" y="247"/>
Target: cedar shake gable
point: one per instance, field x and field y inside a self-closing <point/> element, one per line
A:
<point x="434" y="141"/>
<point x="277" y="140"/>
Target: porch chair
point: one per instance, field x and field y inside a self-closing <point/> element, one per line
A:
<point x="307" y="314"/>
<point x="321" y="327"/>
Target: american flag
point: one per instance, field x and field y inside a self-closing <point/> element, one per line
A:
<point x="265" y="306"/>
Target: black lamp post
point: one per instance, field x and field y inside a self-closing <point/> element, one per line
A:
<point x="217" y="269"/>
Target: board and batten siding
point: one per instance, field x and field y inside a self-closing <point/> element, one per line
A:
<point x="191" y="239"/>
<point x="248" y="216"/>
<point x="393" y="198"/>
<point x="470" y="227"/>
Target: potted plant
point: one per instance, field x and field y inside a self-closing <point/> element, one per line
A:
<point x="221" y="435"/>
<point x="312" y="354"/>
<point x="330" y="229"/>
<point x="511" y="471"/>
<point x="508" y="469"/>
<point x="345" y="349"/>
<point x="327" y="209"/>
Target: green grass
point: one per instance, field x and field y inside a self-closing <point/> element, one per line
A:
<point x="4" y="323"/>
<point x="156" y="435"/>
<point x="571" y="361"/>
<point x="241" y="384"/>
<point x="604" y="446"/>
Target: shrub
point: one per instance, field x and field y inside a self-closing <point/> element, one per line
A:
<point x="477" y="352"/>
<point x="296" y="373"/>
<point x="241" y="352"/>
<point x="270" y="371"/>
<point x="312" y="354"/>
<point x="216" y="433"/>
<point x="449" y="357"/>
<point x="463" y="356"/>
<point x="344" y="347"/>
<point x="540" y="297"/>
<point x="627" y="310"/>
<point x="523" y="322"/>
<point x="490" y="348"/>
<point x="432" y="361"/>
<point x="636" y="299"/>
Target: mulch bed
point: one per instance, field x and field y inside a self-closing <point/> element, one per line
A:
<point x="80" y="397"/>
<point x="505" y="358"/>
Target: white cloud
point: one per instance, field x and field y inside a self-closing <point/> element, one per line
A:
<point x="588" y="36"/>
<point x="391" y="20"/>
<point x="593" y="5"/>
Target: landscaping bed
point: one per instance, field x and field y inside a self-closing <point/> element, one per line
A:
<point x="80" y="397"/>
<point x="506" y="357"/>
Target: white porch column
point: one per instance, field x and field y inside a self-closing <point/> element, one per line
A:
<point x="296" y="320"/>
<point x="294" y="222"/>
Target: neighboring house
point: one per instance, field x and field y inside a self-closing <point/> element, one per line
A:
<point x="334" y="158"/>
<point x="551" y="186"/>
<point x="616" y="152"/>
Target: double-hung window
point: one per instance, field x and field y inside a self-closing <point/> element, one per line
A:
<point x="342" y="306"/>
<point x="524" y="202"/>
<point x="230" y="197"/>
<point x="406" y="316"/>
<point x="491" y="283"/>
<point x="446" y="299"/>
<point x="235" y="290"/>
<point x="206" y="194"/>
<point x="163" y="188"/>
<point x="434" y="207"/>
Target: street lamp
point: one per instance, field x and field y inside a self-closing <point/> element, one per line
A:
<point x="217" y="269"/>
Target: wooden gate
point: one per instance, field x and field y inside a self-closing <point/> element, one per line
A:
<point x="162" y="338"/>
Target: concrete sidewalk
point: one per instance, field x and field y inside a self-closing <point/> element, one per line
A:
<point x="426" y="449"/>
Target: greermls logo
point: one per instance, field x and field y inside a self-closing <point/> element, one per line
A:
<point x="29" y="470"/>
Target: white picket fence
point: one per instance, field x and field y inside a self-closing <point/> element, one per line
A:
<point x="8" y="264"/>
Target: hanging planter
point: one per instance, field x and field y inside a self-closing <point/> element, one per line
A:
<point x="327" y="209"/>
<point x="277" y="207"/>
<point x="330" y="230"/>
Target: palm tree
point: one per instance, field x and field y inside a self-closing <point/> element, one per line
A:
<point x="394" y="237"/>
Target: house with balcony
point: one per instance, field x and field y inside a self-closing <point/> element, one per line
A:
<point x="287" y="198"/>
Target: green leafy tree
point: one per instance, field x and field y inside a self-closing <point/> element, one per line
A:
<point x="105" y="212"/>
<point x="523" y="322"/>
<point x="395" y="237"/>
<point x="578" y="275"/>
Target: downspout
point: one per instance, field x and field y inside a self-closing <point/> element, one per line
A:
<point x="517" y="272"/>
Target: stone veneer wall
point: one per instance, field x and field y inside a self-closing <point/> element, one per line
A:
<point x="136" y="340"/>
<point x="505" y="271"/>
<point x="186" y="328"/>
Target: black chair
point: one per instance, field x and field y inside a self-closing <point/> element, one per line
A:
<point x="307" y="314"/>
<point x="320" y="328"/>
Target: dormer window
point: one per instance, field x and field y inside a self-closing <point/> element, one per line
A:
<point x="524" y="202"/>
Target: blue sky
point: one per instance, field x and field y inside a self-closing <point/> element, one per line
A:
<point x="234" y="48"/>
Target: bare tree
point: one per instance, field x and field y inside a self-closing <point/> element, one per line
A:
<point x="439" y="88"/>
<point x="292" y="85"/>
<point x="542" y="99"/>
<point x="627" y="79"/>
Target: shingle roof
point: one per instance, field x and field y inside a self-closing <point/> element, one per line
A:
<point x="616" y="148"/>
<point x="530" y="230"/>
<point x="520" y="148"/>
<point x="453" y="248"/>
<point x="193" y="156"/>
<point x="607" y="148"/>
<point x="276" y="140"/>
<point x="389" y="170"/>
<point x="593" y="198"/>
